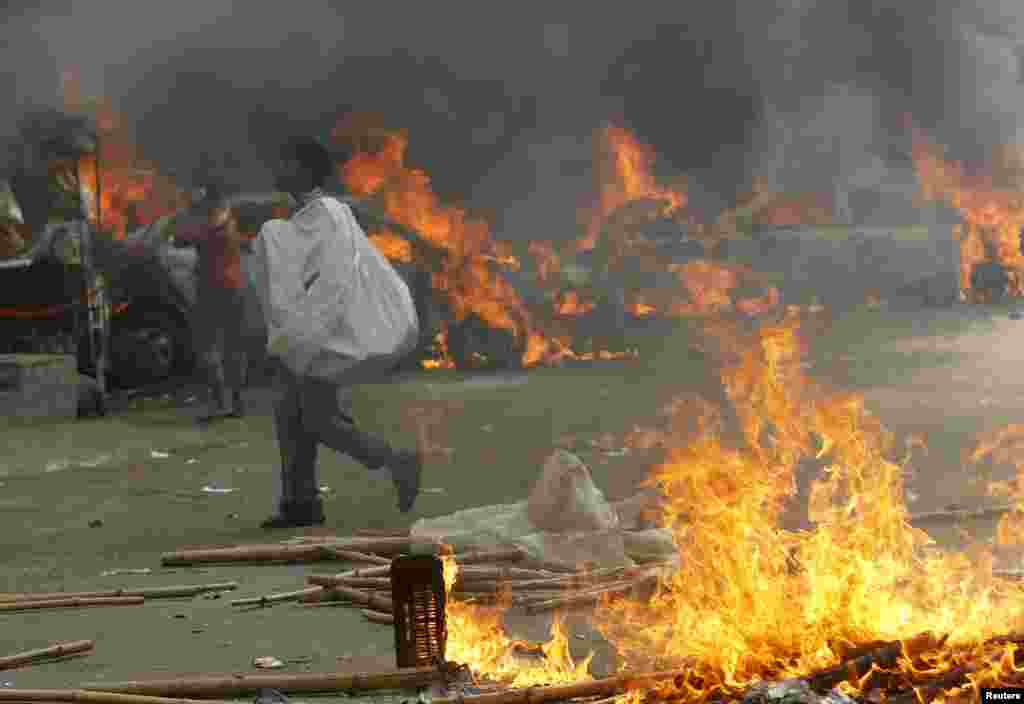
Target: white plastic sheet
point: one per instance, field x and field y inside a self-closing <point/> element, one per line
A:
<point x="335" y="307"/>
<point x="565" y="519"/>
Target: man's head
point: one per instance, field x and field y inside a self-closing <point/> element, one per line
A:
<point x="303" y="165"/>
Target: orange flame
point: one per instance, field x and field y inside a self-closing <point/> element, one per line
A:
<point x="391" y="245"/>
<point x="133" y="193"/>
<point x="751" y="601"/>
<point x="476" y="638"/>
<point x="624" y="167"/>
<point x="991" y="205"/>
<point x="570" y="305"/>
<point x="467" y="275"/>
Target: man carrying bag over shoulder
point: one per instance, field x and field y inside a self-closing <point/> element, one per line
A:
<point x="337" y="314"/>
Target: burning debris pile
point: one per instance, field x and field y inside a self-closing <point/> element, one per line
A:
<point x="859" y="606"/>
<point x="991" y="205"/>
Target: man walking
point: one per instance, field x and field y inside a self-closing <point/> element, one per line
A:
<point x="311" y="411"/>
<point x="220" y="307"/>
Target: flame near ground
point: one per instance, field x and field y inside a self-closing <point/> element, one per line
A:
<point x="752" y="601"/>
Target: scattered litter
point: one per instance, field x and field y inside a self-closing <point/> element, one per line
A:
<point x="179" y="616"/>
<point x="218" y="490"/>
<point x="302" y="659"/>
<point x="57" y="465"/>
<point x="191" y="460"/>
<point x="487" y="428"/>
<point x="95" y="461"/>
<point x="197" y="630"/>
<point x="267" y="662"/>
<point x="158" y="455"/>
<point x="212" y="595"/>
<point x="344" y="656"/>
<point x="433" y="490"/>
<point x="621" y="452"/>
<point x="95" y="523"/>
<point x="126" y="570"/>
<point x="190" y="399"/>
<point x="324" y="489"/>
<point x="580" y="636"/>
<point x="232" y="515"/>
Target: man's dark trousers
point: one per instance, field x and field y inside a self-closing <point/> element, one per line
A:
<point x="309" y="412"/>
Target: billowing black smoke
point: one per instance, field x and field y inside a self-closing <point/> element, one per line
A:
<point x="485" y="88"/>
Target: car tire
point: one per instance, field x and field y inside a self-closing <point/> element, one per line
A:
<point x="150" y="346"/>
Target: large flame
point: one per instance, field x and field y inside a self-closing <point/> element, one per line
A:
<point x="625" y="169"/>
<point x="752" y="601"/>
<point x="467" y="276"/>
<point x="991" y="205"/>
<point x="132" y="191"/>
<point x="476" y="637"/>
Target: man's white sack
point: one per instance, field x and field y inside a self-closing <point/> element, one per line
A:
<point x="566" y="518"/>
<point x="354" y="316"/>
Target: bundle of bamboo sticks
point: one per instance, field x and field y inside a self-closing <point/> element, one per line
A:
<point x="504" y="576"/>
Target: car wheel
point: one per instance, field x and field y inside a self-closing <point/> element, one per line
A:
<point x="149" y="347"/>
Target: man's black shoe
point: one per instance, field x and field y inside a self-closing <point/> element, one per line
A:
<point x="296" y="516"/>
<point x="237" y="405"/>
<point x="406" y="472"/>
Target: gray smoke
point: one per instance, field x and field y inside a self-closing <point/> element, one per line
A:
<point x="500" y="98"/>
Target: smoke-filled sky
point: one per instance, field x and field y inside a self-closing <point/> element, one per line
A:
<point x="500" y="97"/>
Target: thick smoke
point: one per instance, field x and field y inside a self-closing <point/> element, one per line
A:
<point x="500" y="98"/>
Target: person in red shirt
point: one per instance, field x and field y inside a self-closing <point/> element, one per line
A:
<point x="220" y="306"/>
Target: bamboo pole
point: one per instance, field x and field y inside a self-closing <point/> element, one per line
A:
<point x="378" y="616"/>
<point x="488" y="556"/>
<point x="381" y="533"/>
<point x="238" y="685"/>
<point x="86" y="697"/>
<point x="541" y="695"/>
<point x="356" y="596"/>
<point x="59" y="650"/>
<point x="148" y="593"/>
<point x="959" y="514"/>
<point x="351" y="556"/>
<point x="589" y="597"/>
<point x="268" y="599"/>
<point x="312" y="552"/>
<point x="71" y="603"/>
<point x="884" y="657"/>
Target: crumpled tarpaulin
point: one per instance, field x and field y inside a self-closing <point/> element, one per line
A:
<point x="565" y="519"/>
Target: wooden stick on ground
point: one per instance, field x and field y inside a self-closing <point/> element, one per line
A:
<point x="590" y="596"/>
<point x="245" y="685"/>
<point x="541" y="695"/>
<point x="148" y="593"/>
<point x="378" y="616"/>
<point x="490" y="556"/>
<point x="59" y="650"/>
<point x="884" y="657"/>
<point x="312" y="552"/>
<point x="268" y="599"/>
<point x="959" y="514"/>
<point x="356" y="596"/>
<point x="71" y="603"/>
<point x="382" y="533"/>
<point x="86" y="697"/>
<point x="350" y="556"/>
